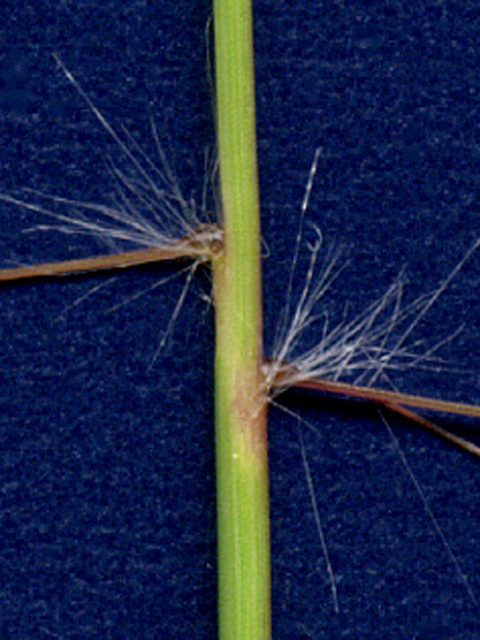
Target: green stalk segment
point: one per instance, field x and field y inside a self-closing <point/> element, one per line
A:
<point x="240" y="403"/>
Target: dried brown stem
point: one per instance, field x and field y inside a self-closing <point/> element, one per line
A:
<point x="201" y="245"/>
<point x="394" y="401"/>
<point x="386" y="397"/>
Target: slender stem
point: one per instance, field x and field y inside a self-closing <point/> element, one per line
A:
<point x="83" y="265"/>
<point x="201" y="245"/>
<point x="241" y="432"/>
<point x="387" y="397"/>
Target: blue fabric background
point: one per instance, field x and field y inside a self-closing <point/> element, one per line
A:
<point x="107" y="477"/>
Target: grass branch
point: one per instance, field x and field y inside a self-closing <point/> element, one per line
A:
<point x="241" y="431"/>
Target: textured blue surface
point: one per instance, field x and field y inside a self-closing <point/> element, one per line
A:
<point x="106" y="476"/>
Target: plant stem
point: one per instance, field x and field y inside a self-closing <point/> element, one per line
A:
<point x="240" y="403"/>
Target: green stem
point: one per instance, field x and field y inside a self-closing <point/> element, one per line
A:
<point x="241" y="433"/>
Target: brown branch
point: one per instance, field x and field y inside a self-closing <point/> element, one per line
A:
<point x="74" y="267"/>
<point x="394" y="401"/>
<point x="202" y="244"/>
<point x="430" y="426"/>
<point x="386" y="397"/>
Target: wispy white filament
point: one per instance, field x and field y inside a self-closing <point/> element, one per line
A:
<point x="361" y="349"/>
<point x="149" y="210"/>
